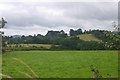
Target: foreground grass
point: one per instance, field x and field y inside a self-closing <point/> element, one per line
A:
<point x="61" y="64"/>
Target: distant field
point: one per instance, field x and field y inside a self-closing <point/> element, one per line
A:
<point x="29" y="45"/>
<point x="47" y="46"/>
<point x="89" y="37"/>
<point x="61" y="64"/>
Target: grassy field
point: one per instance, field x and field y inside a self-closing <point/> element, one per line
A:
<point x="30" y="45"/>
<point x="60" y="64"/>
<point x="89" y="37"/>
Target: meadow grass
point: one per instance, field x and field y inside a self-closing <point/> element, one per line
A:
<point x="89" y="37"/>
<point x="30" y="45"/>
<point x="60" y="64"/>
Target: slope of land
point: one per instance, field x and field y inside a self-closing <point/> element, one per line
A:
<point x="89" y="37"/>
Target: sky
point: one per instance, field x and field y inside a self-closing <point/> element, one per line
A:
<point x="37" y="17"/>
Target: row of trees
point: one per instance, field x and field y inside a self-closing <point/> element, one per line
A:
<point x="72" y="42"/>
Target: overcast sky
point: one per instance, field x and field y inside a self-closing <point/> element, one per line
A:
<point x="30" y="18"/>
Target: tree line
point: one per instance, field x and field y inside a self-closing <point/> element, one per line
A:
<point x="62" y="41"/>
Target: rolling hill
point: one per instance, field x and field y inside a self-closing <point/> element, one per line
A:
<point x="89" y="37"/>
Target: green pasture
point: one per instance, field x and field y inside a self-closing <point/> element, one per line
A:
<point x="60" y="64"/>
<point x="89" y="37"/>
<point x="29" y="45"/>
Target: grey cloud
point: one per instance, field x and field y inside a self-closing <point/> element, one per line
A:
<point x="99" y="11"/>
<point x="53" y="15"/>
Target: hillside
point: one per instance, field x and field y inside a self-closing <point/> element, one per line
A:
<point x="89" y="37"/>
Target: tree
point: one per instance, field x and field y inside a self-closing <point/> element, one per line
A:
<point x="116" y="27"/>
<point x="79" y="31"/>
<point x="75" y="32"/>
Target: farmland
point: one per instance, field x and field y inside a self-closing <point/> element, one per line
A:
<point x="89" y="37"/>
<point x="30" y="45"/>
<point x="47" y="46"/>
<point x="60" y="64"/>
